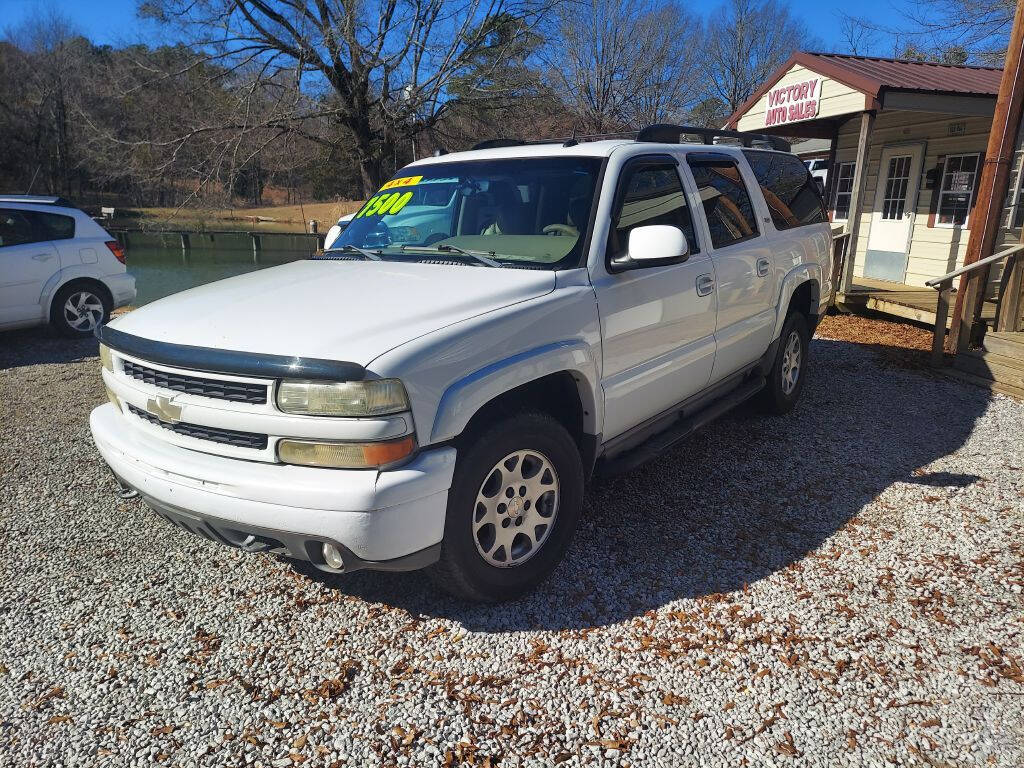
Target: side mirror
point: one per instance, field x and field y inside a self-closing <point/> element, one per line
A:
<point x="653" y="245"/>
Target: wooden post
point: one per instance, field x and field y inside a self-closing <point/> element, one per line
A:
<point x="941" y="315"/>
<point x="860" y="175"/>
<point x="995" y="178"/>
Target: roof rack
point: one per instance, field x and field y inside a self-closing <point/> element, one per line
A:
<point x="667" y="133"/>
<point x="661" y="133"/>
<point x="37" y="200"/>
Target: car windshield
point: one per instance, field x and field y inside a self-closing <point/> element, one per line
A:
<point x="526" y="212"/>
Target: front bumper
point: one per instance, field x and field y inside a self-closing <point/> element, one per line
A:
<point x="390" y="520"/>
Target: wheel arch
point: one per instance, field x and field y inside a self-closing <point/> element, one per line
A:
<point x="62" y="281"/>
<point x="801" y="292"/>
<point x="558" y="379"/>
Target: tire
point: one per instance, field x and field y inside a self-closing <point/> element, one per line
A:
<point x="78" y="308"/>
<point x="784" y="385"/>
<point x="498" y="547"/>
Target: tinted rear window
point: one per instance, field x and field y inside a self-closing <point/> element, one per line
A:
<point x="790" y="191"/>
<point x="53" y="226"/>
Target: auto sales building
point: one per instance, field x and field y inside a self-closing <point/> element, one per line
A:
<point x="907" y="146"/>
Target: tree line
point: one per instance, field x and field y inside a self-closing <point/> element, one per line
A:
<point x="325" y="99"/>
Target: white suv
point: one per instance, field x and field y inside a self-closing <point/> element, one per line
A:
<point x="59" y="266"/>
<point x="436" y="389"/>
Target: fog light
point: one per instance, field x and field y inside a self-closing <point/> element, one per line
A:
<point x="333" y="557"/>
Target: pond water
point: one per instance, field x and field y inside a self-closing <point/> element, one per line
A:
<point x="162" y="268"/>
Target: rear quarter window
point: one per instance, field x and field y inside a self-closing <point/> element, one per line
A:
<point x="789" y="189"/>
<point x="53" y="226"/>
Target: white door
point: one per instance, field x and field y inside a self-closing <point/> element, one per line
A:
<point x="25" y="265"/>
<point x="657" y="322"/>
<point x="893" y="214"/>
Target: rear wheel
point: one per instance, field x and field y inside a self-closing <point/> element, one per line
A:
<point x="786" y="377"/>
<point x="78" y="309"/>
<point x="512" y="510"/>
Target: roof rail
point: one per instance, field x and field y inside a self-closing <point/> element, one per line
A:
<point x="667" y="133"/>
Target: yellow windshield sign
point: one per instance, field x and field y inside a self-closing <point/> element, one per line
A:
<point x="406" y="181"/>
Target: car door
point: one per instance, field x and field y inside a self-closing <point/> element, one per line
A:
<point x="657" y="322"/>
<point x="745" y="279"/>
<point x="26" y="263"/>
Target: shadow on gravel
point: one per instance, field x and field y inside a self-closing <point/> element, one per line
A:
<point x="39" y="346"/>
<point x="738" y="501"/>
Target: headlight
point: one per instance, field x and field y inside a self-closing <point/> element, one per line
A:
<point x="343" y="398"/>
<point x="345" y="455"/>
<point x="105" y="359"/>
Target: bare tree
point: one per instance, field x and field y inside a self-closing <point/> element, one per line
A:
<point x="382" y="70"/>
<point x="979" y="28"/>
<point x="745" y="42"/>
<point x="618" y="63"/>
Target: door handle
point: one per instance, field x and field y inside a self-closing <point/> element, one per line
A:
<point x="43" y="256"/>
<point x="705" y="285"/>
<point x="763" y="266"/>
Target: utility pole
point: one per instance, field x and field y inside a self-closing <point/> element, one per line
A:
<point x="991" y="189"/>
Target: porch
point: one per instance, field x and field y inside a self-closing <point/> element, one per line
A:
<point x="910" y="302"/>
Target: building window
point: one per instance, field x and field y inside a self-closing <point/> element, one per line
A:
<point x="895" y="201"/>
<point x="844" y="191"/>
<point x="1017" y="203"/>
<point x="957" y="191"/>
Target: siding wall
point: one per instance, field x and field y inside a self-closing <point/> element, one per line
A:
<point x="933" y="250"/>
<point x="836" y="98"/>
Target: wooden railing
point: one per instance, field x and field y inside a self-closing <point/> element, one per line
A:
<point x="1008" y="307"/>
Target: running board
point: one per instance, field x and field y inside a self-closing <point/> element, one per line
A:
<point x="686" y="426"/>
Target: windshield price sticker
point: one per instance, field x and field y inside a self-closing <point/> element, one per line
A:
<point x="384" y="203"/>
<point x="405" y="181"/>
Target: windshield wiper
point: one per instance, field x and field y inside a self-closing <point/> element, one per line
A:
<point x="484" y="257"/>
<point x="368" y="255"/>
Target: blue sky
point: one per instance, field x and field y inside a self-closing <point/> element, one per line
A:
<point x="115" y="21"/>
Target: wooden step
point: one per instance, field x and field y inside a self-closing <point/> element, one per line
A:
<point x="1006" y="344"/>
<point x="994" y="386"/>
<point x="989" y="365"/>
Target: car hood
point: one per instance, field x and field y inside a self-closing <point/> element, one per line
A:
<point x="335" y="310"/>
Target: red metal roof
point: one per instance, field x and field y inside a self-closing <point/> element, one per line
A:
<point x="902" y="75"/>
<point x="871" y="75"/>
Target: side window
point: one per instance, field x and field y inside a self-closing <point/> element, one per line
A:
<point x="16" y="228"/>
<point x="653" y="195"/>
<point x="789" y="190"/>
<point x="53" y="226"/>
<point x="726" y="202"/>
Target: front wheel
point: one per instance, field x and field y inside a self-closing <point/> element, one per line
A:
<point x="512" y="510"/>
<point x="786" y="377"/>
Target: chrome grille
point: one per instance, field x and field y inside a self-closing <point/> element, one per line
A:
<point x="213" y="434"/>
<point x="236" y="391"/>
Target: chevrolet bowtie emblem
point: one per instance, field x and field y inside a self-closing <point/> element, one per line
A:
<point x="164" y="409"/>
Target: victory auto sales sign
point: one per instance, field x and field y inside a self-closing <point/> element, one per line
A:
<point x="790" y="103"/>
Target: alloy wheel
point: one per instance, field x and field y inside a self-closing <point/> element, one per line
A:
<point x="83" y="311"/>
<point x="791" y="363"/>
<point x="515" y="508"/>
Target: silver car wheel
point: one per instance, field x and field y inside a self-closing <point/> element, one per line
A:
<point x="83" y="311"/>
<point x="515" y="509"/>
<point x="791" y="363"/>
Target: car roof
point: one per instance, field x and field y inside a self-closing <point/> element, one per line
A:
<point x="37" y="200"/>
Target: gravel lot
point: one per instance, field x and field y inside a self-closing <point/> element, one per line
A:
<point x="842" y="586"/>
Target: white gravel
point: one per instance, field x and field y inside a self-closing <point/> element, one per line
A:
<point x="839" y="587"/>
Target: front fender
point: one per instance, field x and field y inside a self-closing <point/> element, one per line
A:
<point x="467" y="395"/>
<point x="793" y="280"/>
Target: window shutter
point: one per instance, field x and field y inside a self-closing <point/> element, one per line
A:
<point x="933" y="206"/>
<point x="977" y="180"/>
